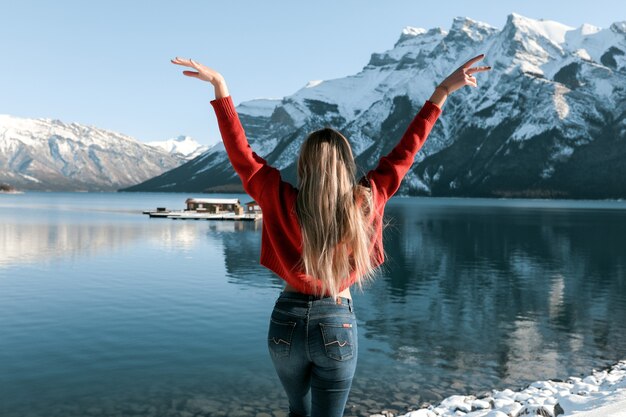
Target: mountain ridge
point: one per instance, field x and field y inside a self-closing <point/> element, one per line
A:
<point x="547" y="120"/>
<point x="48" y="154"/>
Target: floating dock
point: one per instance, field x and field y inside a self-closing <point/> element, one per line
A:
<point x="211" y="209"/>
<point x="207" y="216"/>
<point x="194" y="215"/>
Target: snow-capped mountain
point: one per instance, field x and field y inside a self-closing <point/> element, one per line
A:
<point x="547" y="121"/>
<point x="183" y="146"/>
<point x="47" y="154"/>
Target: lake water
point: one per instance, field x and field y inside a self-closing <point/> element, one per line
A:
<point x="105" y="312"/>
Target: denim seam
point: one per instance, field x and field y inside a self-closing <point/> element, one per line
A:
<point x="343" y="316"/>
<point x="306" y="333"/>
<point x="290" y="314"/>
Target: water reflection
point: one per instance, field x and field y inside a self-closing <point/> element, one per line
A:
<point x="31" y="243"/>
<point x="475" y="295"/>
<point x="27" y="242"/>
<point x="519" y="293"/>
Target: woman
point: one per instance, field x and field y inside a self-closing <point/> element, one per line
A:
<point x="321" y="238"/>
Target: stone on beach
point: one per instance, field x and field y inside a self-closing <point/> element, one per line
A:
<point x="602" y="394"/>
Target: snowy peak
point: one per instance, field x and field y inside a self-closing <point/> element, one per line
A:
<point x="464" y="27"/>
<point x="547" y="29"/>
<point x="416" y="38"/>
<point x="182" y="146"/>
<point x="410" y="32"/>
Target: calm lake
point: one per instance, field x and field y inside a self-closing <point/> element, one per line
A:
<point x="105" y="312"/>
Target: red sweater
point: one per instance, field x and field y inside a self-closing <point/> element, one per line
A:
<point x="281" y="239"/>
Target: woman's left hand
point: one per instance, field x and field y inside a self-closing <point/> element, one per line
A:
<point x="204" y="73"/>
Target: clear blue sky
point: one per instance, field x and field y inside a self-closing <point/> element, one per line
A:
<point x="106" y="63"/>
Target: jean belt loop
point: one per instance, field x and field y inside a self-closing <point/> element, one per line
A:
<point x="350" y="305"/>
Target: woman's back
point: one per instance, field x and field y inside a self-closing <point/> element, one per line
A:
<point x="312" y="337"/>
<point x="281" y="241"/>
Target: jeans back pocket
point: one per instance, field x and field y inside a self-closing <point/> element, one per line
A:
<point x="338" y="340"/>
<point x="279" y="337"/>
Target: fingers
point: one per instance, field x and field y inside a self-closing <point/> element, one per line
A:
<point x="191" y="74"/>
<point x="186" y="62"/>
<point x="473" y="60"/>
<point x="181" y="61"/>
<point x="477" y="69"/>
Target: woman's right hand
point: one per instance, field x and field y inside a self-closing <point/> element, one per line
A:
<point x="463" y="75"/>
<point x="204" y="73"/>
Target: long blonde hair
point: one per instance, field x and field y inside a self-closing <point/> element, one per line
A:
<point x="333" y="211"/>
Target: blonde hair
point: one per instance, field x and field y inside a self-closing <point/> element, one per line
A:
<point x="334" y="212"/>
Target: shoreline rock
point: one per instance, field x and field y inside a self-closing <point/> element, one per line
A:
<point x="603" y="389"/>
<point x="8" y="189"/>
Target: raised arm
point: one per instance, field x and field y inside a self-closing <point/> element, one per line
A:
<point x="251" y="168"/>
<point x="392" y="167"/>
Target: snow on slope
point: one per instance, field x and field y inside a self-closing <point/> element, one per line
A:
<point x="49" y="154"/>
<point x="183" y="146"/>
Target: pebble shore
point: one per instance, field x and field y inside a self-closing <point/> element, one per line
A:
<point x="601" y="394"/>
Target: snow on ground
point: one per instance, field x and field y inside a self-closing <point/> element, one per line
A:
<point x="601" y="394"/>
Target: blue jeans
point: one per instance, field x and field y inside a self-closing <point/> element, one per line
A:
<point x="313" y="345"/>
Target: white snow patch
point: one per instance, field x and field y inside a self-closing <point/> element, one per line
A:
<point x="182" y="145"/>
<point x="28" y="177"/>
<point x="313" y="83"/>
<point x="258" y="107"/>
<point x="527" y="130"/>
<point x="547" y="172"/>
<point x="264" y="147"/>
<point x="603" y="87"/>
<point x="560" y="104"/>
<point x="583" y="54"/>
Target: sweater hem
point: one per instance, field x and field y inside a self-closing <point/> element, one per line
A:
<point x="224" y="105"/>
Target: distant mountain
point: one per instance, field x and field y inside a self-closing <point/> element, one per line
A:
<point x="549" y="120"/>
<point x="183" y="147"/>
<point x="50" y="155"/>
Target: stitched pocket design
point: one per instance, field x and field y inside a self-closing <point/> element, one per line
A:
<point x="338" y="340"/>
<point x="279" y="337"/>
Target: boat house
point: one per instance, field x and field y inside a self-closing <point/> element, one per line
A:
<point x="252" y="207"/>
<point x="214" y="205"/>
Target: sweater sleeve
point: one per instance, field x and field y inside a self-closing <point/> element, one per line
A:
<point x="251" y="168"/>
<point x="393" y="167"/>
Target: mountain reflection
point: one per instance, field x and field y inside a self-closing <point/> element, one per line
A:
<point x="31" y="242"/>
<point x="470" y="287"/>
<point x="36" y="242"/>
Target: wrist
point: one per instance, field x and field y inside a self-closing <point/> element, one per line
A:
<point x="438" y="97"/>
<point x="218" y="80"/>
<point x="443" y="88"/>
